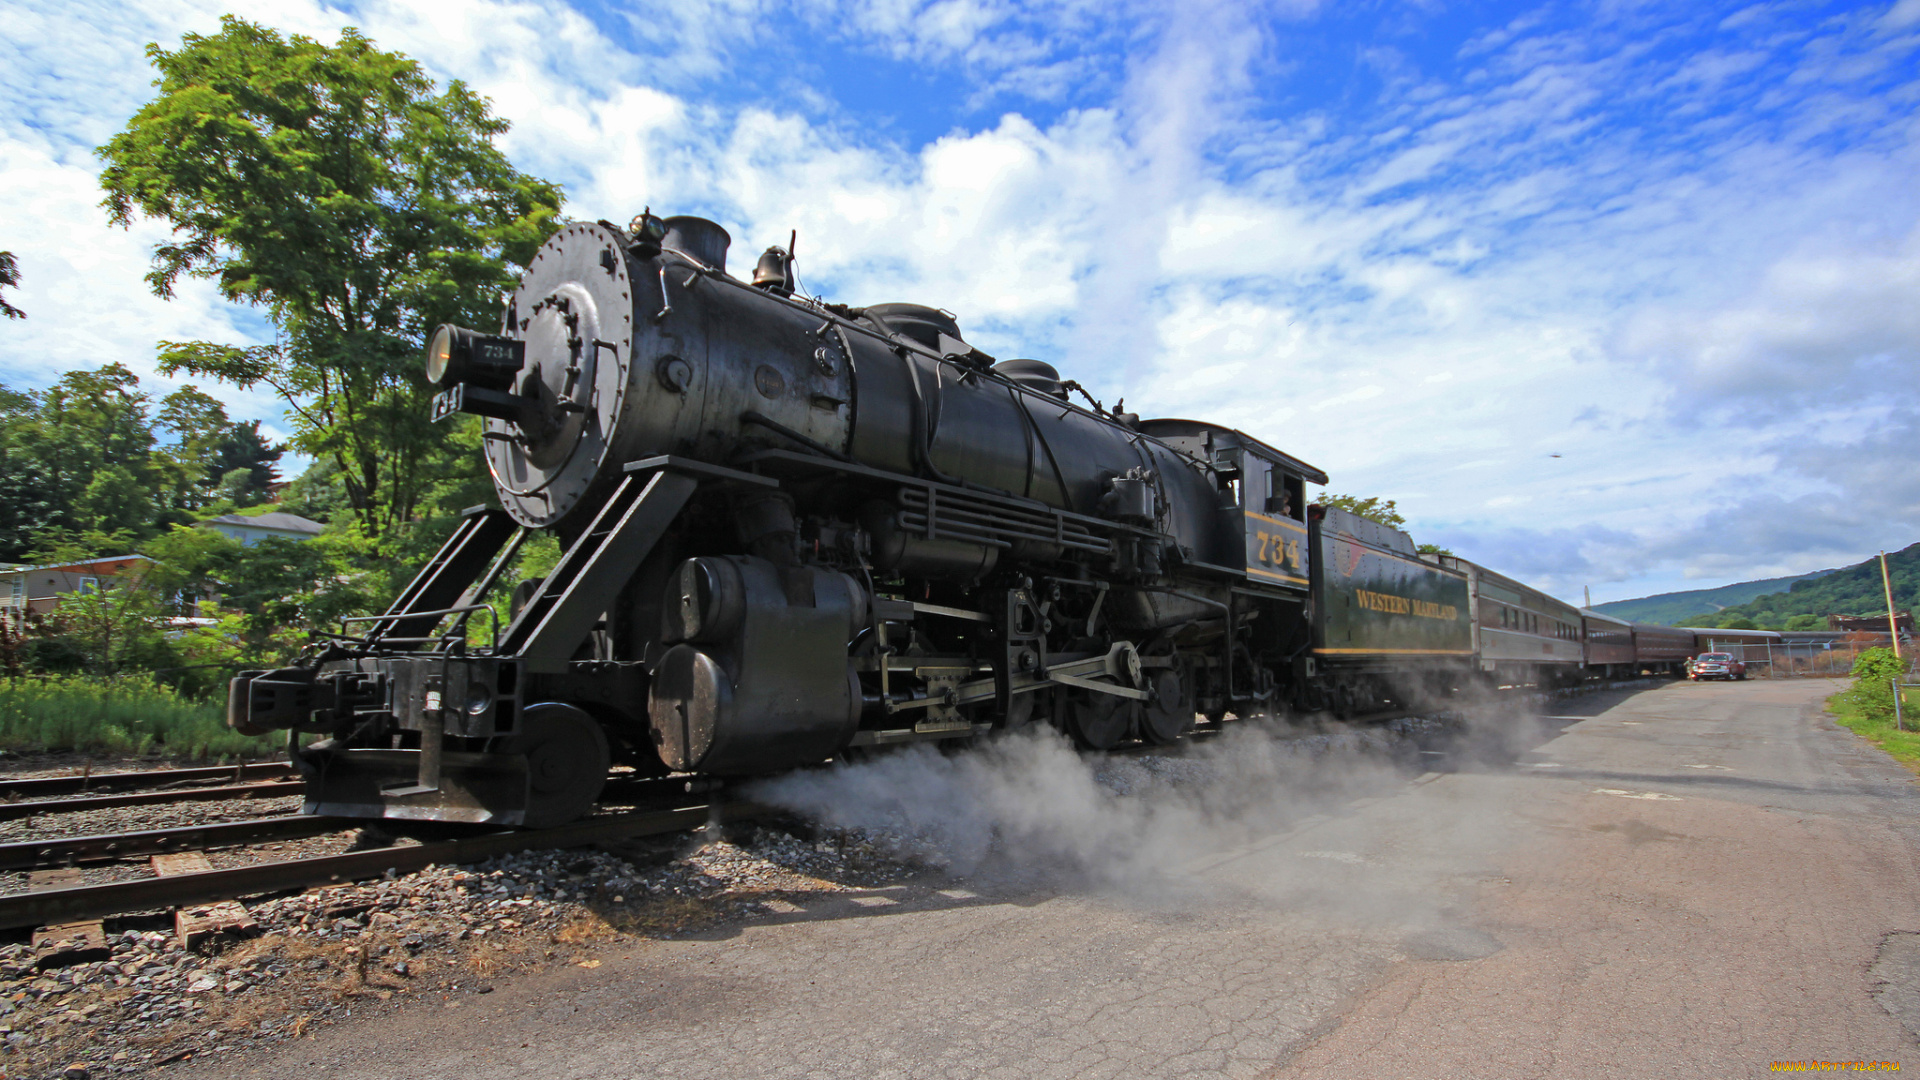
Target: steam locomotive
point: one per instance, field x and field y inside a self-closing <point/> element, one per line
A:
<point x="795" y="530"/>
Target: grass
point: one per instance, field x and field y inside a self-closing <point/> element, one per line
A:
<point x="1902" y="746"/>
<point x="129" y="715"/>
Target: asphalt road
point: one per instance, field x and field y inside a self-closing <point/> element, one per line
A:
<point x="1682" y="881"/>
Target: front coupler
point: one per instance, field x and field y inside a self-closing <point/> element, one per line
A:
<point x="414" y="705"/>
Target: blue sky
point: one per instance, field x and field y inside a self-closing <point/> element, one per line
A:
<point x="1608" y="294"/>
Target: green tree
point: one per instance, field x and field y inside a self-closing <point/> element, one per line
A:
<point x="336" y="187"/>
<point x="90" y="419"/>
<point x="115" y="501"/>
<point x="267" y="593"/>
<point x="57" y="440"/>
<point x="106" y="626"/>
<point x="1373" y="509"/>
<point x="1806" y="622"/>
<point x="28" y="503"/>
<point x="9" y="279"/>
<point x="207" y="449"/>
<point x="1738" y="623"/>
<point x="244" y="463"/>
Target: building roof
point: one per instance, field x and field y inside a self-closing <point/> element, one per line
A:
<point x="80" y="566"/>
<point x="1717" y="632"/>
<point x="276" y="521"/>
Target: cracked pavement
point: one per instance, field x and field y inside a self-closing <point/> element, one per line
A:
<point x="1685" y="880"/>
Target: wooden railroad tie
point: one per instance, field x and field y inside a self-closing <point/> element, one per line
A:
<point x="192" y="925"/>
<point x="66" y="943"/>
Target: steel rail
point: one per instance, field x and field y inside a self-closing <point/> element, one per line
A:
<point x="108" y="847"/>
<point x="147" y="894"/>
<point x="264" y="789"/>
<point x="38" y="786"/>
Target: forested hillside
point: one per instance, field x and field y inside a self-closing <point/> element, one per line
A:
<point x="1853" y="590"/>
<point x="1666" y="609"/>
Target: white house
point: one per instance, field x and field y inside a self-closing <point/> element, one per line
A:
<point x="251" y="530"/>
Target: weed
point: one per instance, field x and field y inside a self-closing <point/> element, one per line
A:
<point x="1902" y="745"/>
<point x="123" y="715"/>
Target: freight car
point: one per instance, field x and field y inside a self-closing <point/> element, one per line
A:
<point x="794" y="530"/>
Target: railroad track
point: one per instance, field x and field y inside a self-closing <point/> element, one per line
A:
<point x="40" y="854"/>
<point x="82" y="902"/>
<point x="40" y="787"/>
<point x="264" y="781"/>
<point x="268" y="789"/>
<point x="44" y="853"/>
<point x="42" y="795"/>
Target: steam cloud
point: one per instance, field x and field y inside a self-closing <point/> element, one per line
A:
<point x="1027" y="805"/>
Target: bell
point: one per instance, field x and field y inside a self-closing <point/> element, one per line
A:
<point x="773" y="272"/>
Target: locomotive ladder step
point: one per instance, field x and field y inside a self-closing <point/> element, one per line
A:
<point x="562" y="611"/>
<point x="449" y="578"/>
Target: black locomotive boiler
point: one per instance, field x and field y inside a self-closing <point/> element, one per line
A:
<point x="794" y="529"/>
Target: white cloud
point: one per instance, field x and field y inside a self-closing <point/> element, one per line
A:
<point x="1823" y="324"/>
<point x="1685" y="270"/>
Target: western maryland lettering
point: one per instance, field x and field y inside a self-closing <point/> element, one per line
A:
<point x="1389" y="604"/>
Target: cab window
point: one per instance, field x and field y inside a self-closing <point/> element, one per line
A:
<point x="1285" y="495"/>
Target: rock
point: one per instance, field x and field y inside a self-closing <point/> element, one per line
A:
<point x="76" y="1071"/>
<point x="202" y="984"/>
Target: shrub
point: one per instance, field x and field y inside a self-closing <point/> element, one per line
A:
<point x="1874" y="672"/>
<point x="132" y="714"/>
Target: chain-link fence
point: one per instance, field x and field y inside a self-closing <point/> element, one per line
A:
<point x="1824" y="659"/>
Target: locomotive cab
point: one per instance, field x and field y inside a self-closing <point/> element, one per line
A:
<point x="1263" y="517"/>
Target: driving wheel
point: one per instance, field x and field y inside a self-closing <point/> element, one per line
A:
<point x="1169" y="712"/>
<point x="1098" y="721"/>
<point x="567" y="761"/>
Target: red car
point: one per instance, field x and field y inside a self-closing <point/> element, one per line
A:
<point x="1715" y="665"/>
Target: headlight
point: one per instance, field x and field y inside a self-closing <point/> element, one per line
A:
<point x="458" y="355"/>
<point x="439" y="354"/>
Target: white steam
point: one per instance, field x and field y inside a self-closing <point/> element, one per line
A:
<point x="1028" y="805"/>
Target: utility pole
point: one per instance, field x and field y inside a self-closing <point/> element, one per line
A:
<point x="1588" y="589"/>
<point x="1893" y="628"/>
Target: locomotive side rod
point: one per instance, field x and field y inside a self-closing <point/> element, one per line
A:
<point x="1114" y="663"/>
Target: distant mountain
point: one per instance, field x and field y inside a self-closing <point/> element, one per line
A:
<point x="1852" y="590"/>
<point x="1668" y="608"/>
